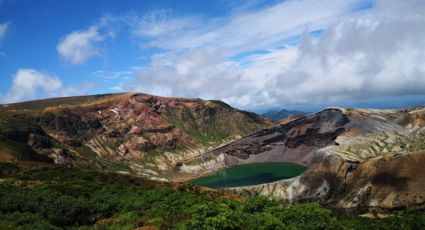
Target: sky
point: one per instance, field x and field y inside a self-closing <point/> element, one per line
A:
<point x="253" y="54"/>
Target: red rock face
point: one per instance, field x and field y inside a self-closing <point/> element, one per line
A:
<point x="358" y="160"/>
<point x="124" y="127"/>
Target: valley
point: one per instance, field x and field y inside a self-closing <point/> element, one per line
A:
<point x="212" y="115"/>
<point x="355" y="161"/>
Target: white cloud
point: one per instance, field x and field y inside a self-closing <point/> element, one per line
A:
<point x="3" y="29"/>
<point x="114" y="75"/>
<point x="200" y="73"/>
<point x="31" y="84"/>
<point x="120" y="78"/>
<point x="198" y="61"/>
<point x="265" y="57"/>
<point x="265" y="28"/>
<point x="361" y="55"/>
<point x="79" y="46"/>
<point x="158" y="23"/>
<point x="82" y="89"/>
<point x="379" y="55"/>
<point x="27" y="83"/>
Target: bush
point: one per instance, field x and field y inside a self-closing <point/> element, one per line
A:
<point x="25" y="220"/>
<point x="215" y="216"/>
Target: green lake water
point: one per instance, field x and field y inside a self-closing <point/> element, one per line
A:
<point x="249" y="174"/>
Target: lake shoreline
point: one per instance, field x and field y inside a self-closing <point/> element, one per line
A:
<point x="249" y="174"/>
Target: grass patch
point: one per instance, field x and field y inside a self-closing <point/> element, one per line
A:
<point x="210" y="132"/>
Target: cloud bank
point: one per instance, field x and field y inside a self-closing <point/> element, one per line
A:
<point x="31" y="84"/>
<point x="360" y="55"/>
<point x="27" y="83"/>
<point x="289" y="53"/>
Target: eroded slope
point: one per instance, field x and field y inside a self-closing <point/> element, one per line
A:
<point x="357" y="159"/>
<point x="128" y="133"/>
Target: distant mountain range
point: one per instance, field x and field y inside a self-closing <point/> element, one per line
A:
<point x="282" y="114"/>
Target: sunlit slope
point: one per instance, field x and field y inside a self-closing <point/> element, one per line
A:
<point x="129" y="132"/>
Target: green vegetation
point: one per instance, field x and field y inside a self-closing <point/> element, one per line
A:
<point x="10" y="125"/>
<point x="209" y="132"/>
<point x="91" y="158"/>
<point x="7" y="168"/>
<point x="21" y="151"/>
<point x="71" y="199"/>
<point x="152" y="154"/>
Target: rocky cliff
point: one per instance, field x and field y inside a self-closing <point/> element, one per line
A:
<point x="359" y="160"/>
<point x="127" y="133"/>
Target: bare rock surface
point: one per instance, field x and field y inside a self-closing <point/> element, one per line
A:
<point x="359" y="160"/>
<point x="130" y="132"/>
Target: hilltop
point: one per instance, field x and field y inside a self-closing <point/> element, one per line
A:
<point x="128" y="133"/>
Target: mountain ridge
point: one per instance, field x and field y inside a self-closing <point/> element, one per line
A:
<point x="123" y="132"/>
<point x="282" y="114"/>
<point x="357" y="159"/>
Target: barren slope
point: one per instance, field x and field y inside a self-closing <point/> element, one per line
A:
<point x="358" y="159"/>
<point x="128" y="133"/>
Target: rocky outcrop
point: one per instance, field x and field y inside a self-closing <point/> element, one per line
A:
<point x="370" y="160"/>
<point x="295" y="141"/>
<point x="130" y="132"/>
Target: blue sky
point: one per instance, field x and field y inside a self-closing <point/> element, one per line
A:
<point x="255" y="55"/>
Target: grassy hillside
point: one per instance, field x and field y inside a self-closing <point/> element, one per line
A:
<point x="54" y="199"/>
<point x="20" y="151"/>
<point x="71" y="199"/>
<point x="215" y="123"/>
